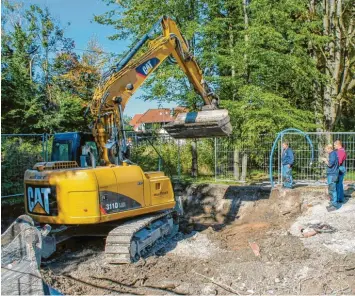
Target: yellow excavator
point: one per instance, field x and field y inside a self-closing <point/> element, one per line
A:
<point x="91" y="188"/>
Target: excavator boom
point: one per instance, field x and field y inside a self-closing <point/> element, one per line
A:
<point x="130" y="73"/>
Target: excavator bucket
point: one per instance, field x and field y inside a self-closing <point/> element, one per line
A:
<point x="203" y="124"/>
<point x="21" y="247"/>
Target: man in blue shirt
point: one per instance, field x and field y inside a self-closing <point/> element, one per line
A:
<point x="332" y="177"/>
<point x="287" y="163"/>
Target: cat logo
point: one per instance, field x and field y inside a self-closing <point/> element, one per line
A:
<point x="147" y="67"/>
<point x="38" y="200"/>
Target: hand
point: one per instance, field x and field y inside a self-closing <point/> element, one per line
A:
<point x="324" y="159"/>
<point x="289" y="165"/>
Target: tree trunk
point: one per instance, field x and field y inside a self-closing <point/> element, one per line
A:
<point x="338" y="25"/>
<point x="246" y="38"/>
<point x="244" y="166"/>
<point x="231" y="50"/>
<point x="236" y="164"/>
<point x="194" y="164"/>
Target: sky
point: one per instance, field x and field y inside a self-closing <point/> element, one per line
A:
<point x="80" y="14"/>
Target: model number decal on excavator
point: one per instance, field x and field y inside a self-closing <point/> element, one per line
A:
<point x="145" y="68"/>
<point x="115" y="205"/>
<point x="113" y="202"/>
<point x="41" y="199"/>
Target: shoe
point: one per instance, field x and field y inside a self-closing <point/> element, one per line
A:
<point x="331" y="208"/>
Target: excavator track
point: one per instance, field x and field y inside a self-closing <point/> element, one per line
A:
<point x="140" y="237"/>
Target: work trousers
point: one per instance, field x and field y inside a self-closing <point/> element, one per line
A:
<point x="332" y="189"/>
<point x="287" y="176"/>
<point x="340" y="185"/>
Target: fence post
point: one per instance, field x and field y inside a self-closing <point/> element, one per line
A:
<point x="236" y="163"/>
<point x="47" y="147"/>
<point x="179" y="164"/>
<point x="281" y="168"/>
<point x="215" y="159"/>
<point x="278" y="163"/>
<point x="43" y="150"/>
<point x="159" y="163"/>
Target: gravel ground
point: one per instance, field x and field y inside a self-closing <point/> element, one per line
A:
<point x="212" y="254"/>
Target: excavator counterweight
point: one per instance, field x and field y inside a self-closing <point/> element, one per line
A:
<point x="203" y="124"/>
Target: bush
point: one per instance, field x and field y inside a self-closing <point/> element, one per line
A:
<point x="17" y="155"/>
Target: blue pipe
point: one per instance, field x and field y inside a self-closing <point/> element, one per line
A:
<point x="275" y="143"/>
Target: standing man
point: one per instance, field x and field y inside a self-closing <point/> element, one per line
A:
<point x="332" y="177"/>
<point x="287" y="163"/>
<point x="341" y="158"/>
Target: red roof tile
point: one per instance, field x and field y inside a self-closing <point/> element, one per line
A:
<point x="156" y="116"/>
<point x="135" y="119"/>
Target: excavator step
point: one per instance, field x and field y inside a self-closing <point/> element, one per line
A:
<point x="203" y="124"/>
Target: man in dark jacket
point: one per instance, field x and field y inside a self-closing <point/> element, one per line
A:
<point x="287" y="163"/>
<point x="332" y="177"/>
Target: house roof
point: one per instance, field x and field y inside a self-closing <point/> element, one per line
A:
<point x="135" y="119"/>
<point x="156" y="116"/>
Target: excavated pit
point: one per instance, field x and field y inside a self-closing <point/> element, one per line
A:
<point x="233" y="239"/>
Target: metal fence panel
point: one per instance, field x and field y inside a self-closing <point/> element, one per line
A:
<point x="225" y="159"/>
<point x="248" y="158"/>
<point x="161" y="152"/>
<point x="18" y="153"/>
<point x="303" y="172"/>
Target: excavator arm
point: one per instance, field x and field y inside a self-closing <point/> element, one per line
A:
<point x="112" y="96"/>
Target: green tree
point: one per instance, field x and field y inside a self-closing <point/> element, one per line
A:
<point x="29" y="38"/>
<point x="333" y="50"/>
<point x="74" y="80"/>
<point x="46" y="87"/>
<point x="20" y="105"/>
<point x="237" y="43"/>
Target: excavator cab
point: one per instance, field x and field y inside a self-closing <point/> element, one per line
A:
<point x="75" y="146"/>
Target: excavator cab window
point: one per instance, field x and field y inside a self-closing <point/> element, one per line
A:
<point x="62" y="151"/>
<point x="93" y="150"/>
